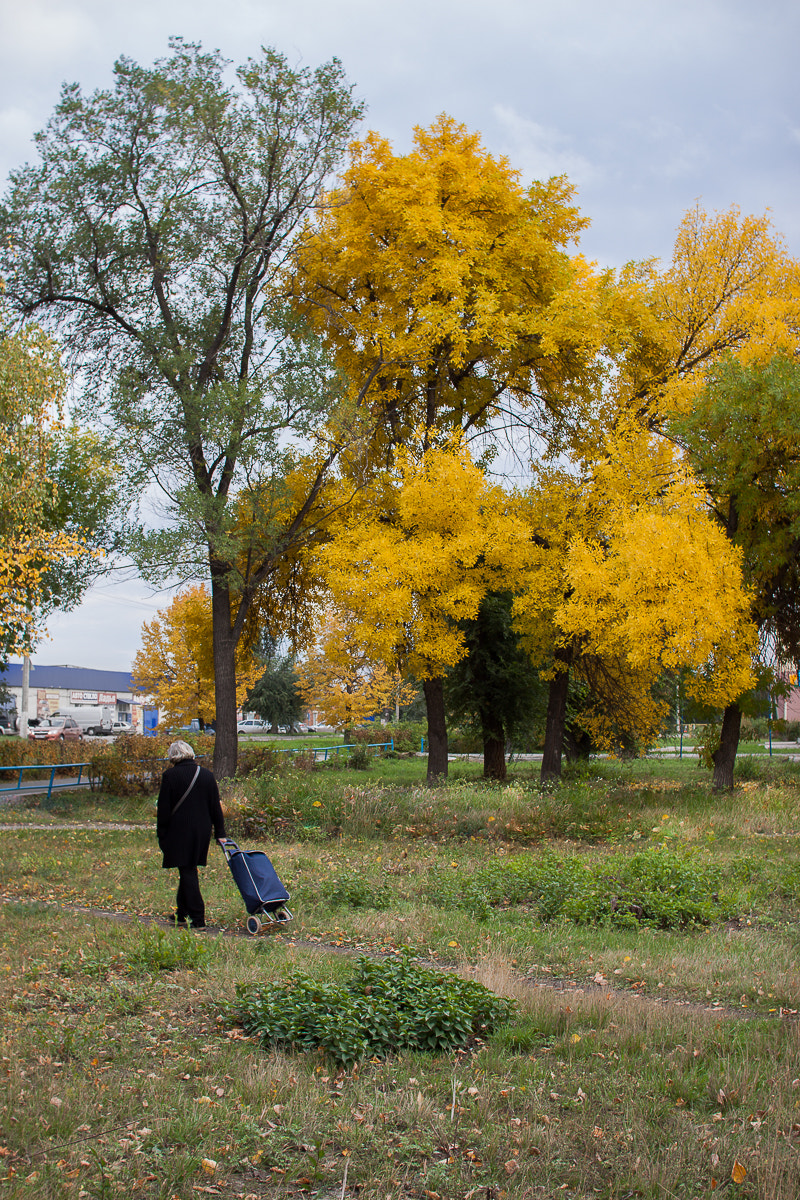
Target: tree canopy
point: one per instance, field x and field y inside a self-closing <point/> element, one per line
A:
<point x="151" y="234"/>
<point x="58" y="489"/>
<point x="445" y="289"/>
<point x="175" y="665"/>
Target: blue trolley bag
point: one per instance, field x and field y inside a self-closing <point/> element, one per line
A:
<point x="265" y="897"/>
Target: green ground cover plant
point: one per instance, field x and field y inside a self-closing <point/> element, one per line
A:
<point x="383" y="1008"/>
<point x="648" y="1055"/>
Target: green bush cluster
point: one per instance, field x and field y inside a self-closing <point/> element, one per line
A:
<point x="657" y="887"/>
<point x="757" y="729"/>
<point x="385" y="1007"/>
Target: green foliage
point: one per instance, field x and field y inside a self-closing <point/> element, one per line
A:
<point x="493" y="689"/>
<point x="659" y="888"/>
<point x="351" y="889"/>
<point x="165" y="207"/>
<point x="385" y="1007"/>
<point x="708" y="746"/>
<point x="757" y="729"/>
<point x="178" y="950"/>
<point x="359" y="758"/>
<point x="275" y="696"/>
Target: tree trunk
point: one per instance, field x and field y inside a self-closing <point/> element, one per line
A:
<point x="437" y="729"/>
<point x="494" y="754"/>
<point x="554" y="730"/>
<point x="725" y="754"/>
<point x="226" y="742"/>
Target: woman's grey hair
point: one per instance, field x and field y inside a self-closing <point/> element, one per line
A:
<point x="179" y="751"/>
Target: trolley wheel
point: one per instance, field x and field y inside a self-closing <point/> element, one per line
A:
<point x="253" y="926"/>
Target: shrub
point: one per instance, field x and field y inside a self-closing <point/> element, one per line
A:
<point x="407" y="736"/>
<point x="20" y="752"/>
<point x="359" y="758"/>
<point x="385" y="1007"/>
<point x="657" y="887"/>
<point x="134" y="764"/>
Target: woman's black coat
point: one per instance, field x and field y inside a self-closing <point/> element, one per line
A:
<point x="184" y="838"/>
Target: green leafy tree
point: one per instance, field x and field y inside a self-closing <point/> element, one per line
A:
<point x="494" y="688"/>
<point x="59" y="498"/>
<point x="151" y="234"/>
<point x="743" y="437"/>
<point x="276" y="696"/>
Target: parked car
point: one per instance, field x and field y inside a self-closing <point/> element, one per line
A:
<point x="56" y="729"/>
<point x="251" y="726"/>
<point x="7" y="725"/>
<point x="194" y="727"/>
<point x="118" y="727"/>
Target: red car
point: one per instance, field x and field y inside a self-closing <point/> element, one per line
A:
<point x="56" y="729"/>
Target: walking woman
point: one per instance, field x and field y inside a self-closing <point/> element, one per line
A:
<point x="188" y="808"/>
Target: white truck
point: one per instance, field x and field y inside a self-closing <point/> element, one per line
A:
<point x="92" y="718"/>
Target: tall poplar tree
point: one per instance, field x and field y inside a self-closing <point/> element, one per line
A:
<point x="150" y="233"/>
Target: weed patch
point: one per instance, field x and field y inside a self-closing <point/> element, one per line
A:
<point x="384" y="1008"/>
<point x="178" y="950"/>
<point x="656" y="887"/>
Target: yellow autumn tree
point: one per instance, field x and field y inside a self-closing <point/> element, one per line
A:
<point x="341" y="679"/>
<point x="731" y="289"/>
<point x="418" y="552"/>
<point x="450" y="298"/>
<point x="445" y="289"/>
<point x="726" y="307"/>
<point x="627" y="576"/>
<point x="175" y="666"/>
<point x="32" y="544"/>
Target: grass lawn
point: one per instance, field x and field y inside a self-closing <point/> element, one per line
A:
<point x="646" y="930"/>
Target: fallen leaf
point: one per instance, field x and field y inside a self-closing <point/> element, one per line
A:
<point x="739" y="1172"/>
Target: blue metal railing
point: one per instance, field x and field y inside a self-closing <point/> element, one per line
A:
<point x="52" y="785"/>
<point x="326" y="750"/>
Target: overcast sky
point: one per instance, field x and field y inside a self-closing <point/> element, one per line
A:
<point x="647" y="105"/>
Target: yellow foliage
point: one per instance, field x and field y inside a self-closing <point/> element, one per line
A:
<point x="175" y="665"/>
<point x="627" y="567"/>
<point x="440" y="283"/>
<point x="418" y="553"/>
<point x="731" y="288"/>
<point x="31" y="391"/>
<point x="340" y="678"/>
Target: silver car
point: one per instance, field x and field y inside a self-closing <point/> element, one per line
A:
<point x="251" y="726"/>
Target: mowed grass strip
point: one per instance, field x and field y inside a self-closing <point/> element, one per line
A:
<point x="646" y="1060"/>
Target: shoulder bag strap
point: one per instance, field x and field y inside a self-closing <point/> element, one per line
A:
<point x="186" y="793"/>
